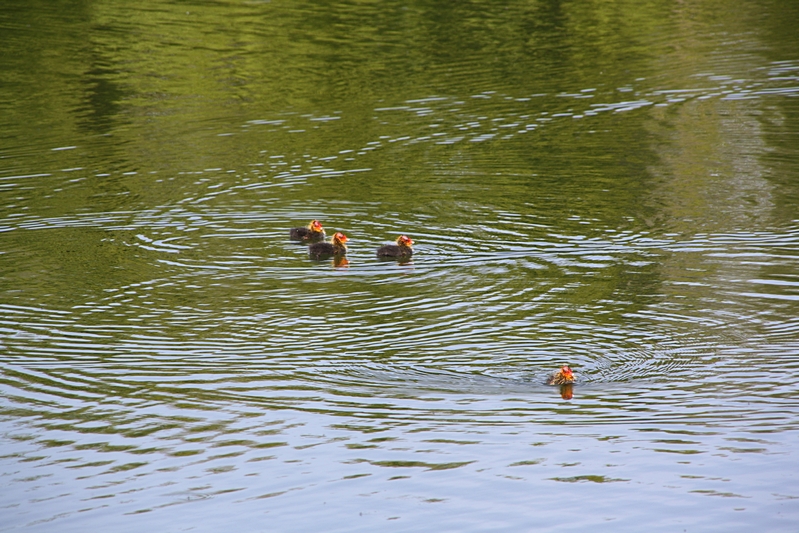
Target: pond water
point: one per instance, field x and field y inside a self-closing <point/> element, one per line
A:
<point x="612" y="185"/>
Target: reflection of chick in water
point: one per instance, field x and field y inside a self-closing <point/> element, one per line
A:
<point x="313" y="232"/>
<point x="323" y="250"/>
<point x="339" y="261"/>
<point x="567" y="391"/>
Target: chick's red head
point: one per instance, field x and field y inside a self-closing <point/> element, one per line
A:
<point x="316" y="225"/>
<point x="340" y="237"/>
<point x="567" y="372"/>
<point x="404" y="240"/>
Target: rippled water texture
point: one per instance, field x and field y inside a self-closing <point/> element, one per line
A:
<point x="612" y="185"/>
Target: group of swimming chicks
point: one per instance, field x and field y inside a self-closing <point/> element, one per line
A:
<point x="314" y="234"/>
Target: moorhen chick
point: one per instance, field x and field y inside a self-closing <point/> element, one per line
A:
<point x="335" y="247"/>
<point x="561" y="377"/>
<point x="402" y="249"/>
<point x="313" y="232"/>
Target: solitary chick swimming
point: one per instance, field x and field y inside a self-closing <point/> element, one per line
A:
<point x="561" y="377"/>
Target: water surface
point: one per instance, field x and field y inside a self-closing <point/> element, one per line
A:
<point x="612" y="186"/>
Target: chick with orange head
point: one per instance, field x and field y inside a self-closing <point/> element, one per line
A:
<point x="402" y="248"/>
<point x="561" y="377"/>
<point x="313" y="232"/>
<point x="336" y="247"/>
